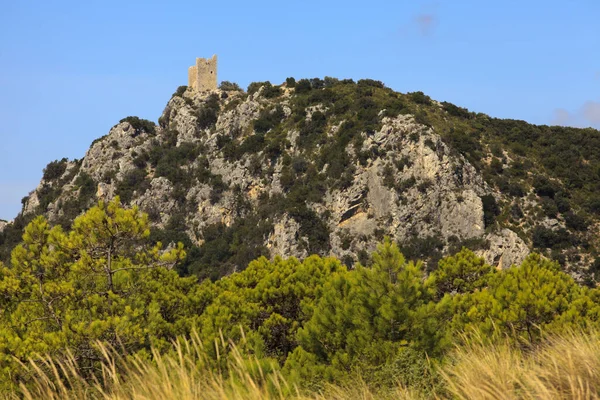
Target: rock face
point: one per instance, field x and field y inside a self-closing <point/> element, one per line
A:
<point x="199" y="174"/>
<point x="506" y="249"/>
<point x="3" y="225"/>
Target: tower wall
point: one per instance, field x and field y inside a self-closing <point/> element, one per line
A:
<point x="192" y="77"/>
<point x="206" y="73"/>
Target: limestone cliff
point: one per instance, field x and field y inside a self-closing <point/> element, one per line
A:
<point x="328" y="168"/>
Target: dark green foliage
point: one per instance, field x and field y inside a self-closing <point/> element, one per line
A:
<point x="516" y="190"/>
<point x="12" y="234"/>
<point x="86" y="185"/>
<point x="254" y="86"/>
<point x="420" y="98"/>
<point x="268" y="119"/>
<point x="393" y="107"/>
<point x="370" y="83"/>
<point x="544" y="238"/>
<point x="490" y="209"/>
<point x="544" y="187"/>
<point x="140" y="125"/>
<point x="55" y="169"/>
<point x="134" y="180"/>
<point x="208" y="113"/>
<point x="475" y="243"/>
<point x="179" y="92"/>
<point x="171" y="160"/>
<point x="456" y="111"/>
<point x="140" y="161"/>
<point x="229" y="86"/>
<point x="389" y="180"/>
<point x="229" y="248"/>
<point x="290" y="82"/>
<point x="303" y="86"/>
<point x="312" y="132"/>
<point x="496" y="166"/>
<point x="549" y="207"/>
<point x="575" y="221"/>
<point x="429" y="247"/>
<point x="217" y="188"/>
<point x="467" y="144"/>
<point x="46" y="195"/>
<point x="269" y="91"/>
<point x="313" y="228"/>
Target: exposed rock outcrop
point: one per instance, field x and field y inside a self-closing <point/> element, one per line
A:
<point x="403" y="181"/>
<point x="506" y="248"/>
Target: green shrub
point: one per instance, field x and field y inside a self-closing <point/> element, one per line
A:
<point x="87" y="188"/>
<point x="420" y="98"/>
<point x="179" y="92"/>
<point x="268" y="119"/>
<point x="269" y="91"/>
<point x="490" y="209"/>
<point x="370" y="83"/>
<point x="135" y="180"/>
<point x="456" y="111"/>
<point x="229" y="86"/>
<point x="55" y="169"/>
<point x="303" y="86"/>
<point x="140" y="125"/>
<point x="544" y="238"/>
<point x="290" y="82"/>
<point x="208" y="113"/>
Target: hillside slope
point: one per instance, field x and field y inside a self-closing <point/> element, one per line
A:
<point x="331" y="167"/>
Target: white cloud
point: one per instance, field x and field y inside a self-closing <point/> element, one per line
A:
<point x="587" y="115"/>
<point x="591" y="112"/>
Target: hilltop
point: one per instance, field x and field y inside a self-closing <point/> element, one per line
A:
<point x="331" y="167"/>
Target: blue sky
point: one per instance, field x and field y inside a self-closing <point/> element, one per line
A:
<point x="69" y="70"/>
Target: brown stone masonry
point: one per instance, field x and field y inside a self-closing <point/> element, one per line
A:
<point x="203" y="76"/>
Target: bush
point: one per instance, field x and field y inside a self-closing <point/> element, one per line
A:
<point x="545" y="238"/>
<point x="490" y="209"/>
<point x="134" y="180"/>
<point x="140" y="125"/>
<point x="290" y="82"/>
<point x="303" y="86"/>
<point x="420" y="98"/>
<point x="55" y="169"/>
<point x="575" y="222"/>
<point x="87" y="188"/>
<point x="269" y="91"/>
<point x="268" y="119"/>
<point x="543" y="187"/>
<point x="179" y="92"/>
<point x="370" y="83"/>
<point x="456" y="111"/>
<point x="208" y="113"/>
<point x="229" y="86"/>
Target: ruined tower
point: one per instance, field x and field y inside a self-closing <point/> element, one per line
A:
<point x="203" y="75"/>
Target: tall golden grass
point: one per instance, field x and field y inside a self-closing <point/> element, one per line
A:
<point x="564" y="367"/>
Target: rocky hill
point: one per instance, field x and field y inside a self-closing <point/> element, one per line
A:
<point x="332" y="166"/>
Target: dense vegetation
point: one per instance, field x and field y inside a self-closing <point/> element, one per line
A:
<point x="82" y="288"/>
<point x="548" y="176"/>
<point x="313" y="321"/>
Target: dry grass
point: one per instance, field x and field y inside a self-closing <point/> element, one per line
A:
<point x="566" y="367"/>
<point x="181" y="375"/>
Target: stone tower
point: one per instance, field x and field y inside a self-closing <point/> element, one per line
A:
<point x="203" y="75"/>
